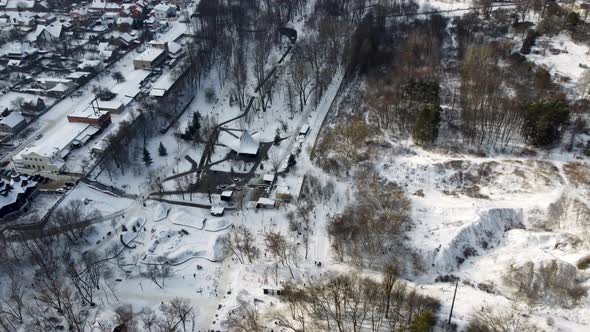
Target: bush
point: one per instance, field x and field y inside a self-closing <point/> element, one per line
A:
<point x="529" y="41"/>
<point x="542" y="79"/>
<point x="572" y="19"/>
<point x="423" y="323"/>
<point x="210" y="95"/>
<point x="583" y="263"/>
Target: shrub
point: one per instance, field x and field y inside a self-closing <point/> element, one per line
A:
<point x="423" y="322"/>
<point x="542" y="79"/>
<point x="210" y="95"/>
<point x="529" y="41"/>
<point x="583" y="263"/>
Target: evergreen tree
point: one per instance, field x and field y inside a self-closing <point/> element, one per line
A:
<point x="544" y="121"/>
<point x="277" y="139"/>
<point x="147" y="158"/>
<point x="292" y="161"/>
<point x="426" y="129"/>
<point x="162" y="150"/>
<point x="196" y="127"/>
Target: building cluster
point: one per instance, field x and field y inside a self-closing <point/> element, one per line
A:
<point x="48" y="56"/>
<point x="16" y="193"/>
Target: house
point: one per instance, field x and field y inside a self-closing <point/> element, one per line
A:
<point x="163" y="11"/>
<point x="13" y="123"/>
<point x="87" y="64"/>
<point x="22" y="51"/>
<point x="175" y="50"/>
<point x="265" y="203"/>
<point x="50" y="82"/>
<point x="217" y="211"/>
<point x="16" y="195"/>
<point x="226" y="195"/>
<point x="149" y="59"/>
<point x="33" y="107"/>
<point x="46" y="18"/>
<point x="104" y="6"/>
<point x="133" y="10"/>
<point x="124" y="40"/>
<point x="124" y="24"/>
<point x="152" y="23"/>
<point x="90" y="116"/>
<point x="48" y="33"/>
<point x="78" y="76"/>
<point x="79" y="16"/>
<point x="58" y="90"/>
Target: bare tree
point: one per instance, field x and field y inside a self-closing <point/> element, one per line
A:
<point x="245" y="319"/>
<point x="159" y="272"/>
<point x="12" y="305"/>
<point x="239" y="242"/>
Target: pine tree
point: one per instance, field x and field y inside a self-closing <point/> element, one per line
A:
<point x="196" y="127"/>
<point x="147" y="158"/>
<point x="277" y="139"/>
<point x="162" y="150"/>
<point x="426" y="129"/>
<point x="196" y="122"/>
<point x="292" y="161"/>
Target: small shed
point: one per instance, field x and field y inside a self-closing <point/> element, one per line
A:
<point x="304" y="130"/>
<point x="283" y="193"/>
<point x="268" y="178"/>
<point x="217" y="211"/>
<point x="226" y="195"/>
<point x="265" y="203"/>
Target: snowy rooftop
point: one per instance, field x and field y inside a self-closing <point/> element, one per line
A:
<point x="18" y="187"/>
<point x="109" y="104"/>
<point x="53" y="29"/>
<point x="162" y="7"/>
<point x="217" y="210"/>
<point x="87" y="112"/>
<point x="150" y="54"/>
<point x="51" y="145"/>
<point x="12" y="120"/>
<point x="77" y="75"/>
<point x="246" y="144"/>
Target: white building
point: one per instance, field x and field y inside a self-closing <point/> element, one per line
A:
<point x="163" y="11"/>
<point x="47" y="156"/>
<point x="149" y="58"/>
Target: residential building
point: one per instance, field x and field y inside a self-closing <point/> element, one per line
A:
<point x="48" y="33"/>
<point x="16" y="195"/>
<point x="164" y="11"/>
<point x="150" y="58"/>
<point x="12" y="123"/>
<point x="175" y="50"/>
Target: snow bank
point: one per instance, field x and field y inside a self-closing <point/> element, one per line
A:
<point x="475" y="238"/>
